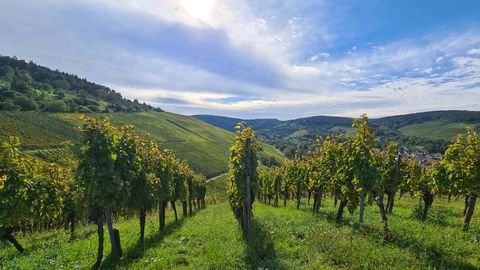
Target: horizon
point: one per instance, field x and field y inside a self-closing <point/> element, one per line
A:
<point x="255" y="60"/>
<point x="326" y="115"/>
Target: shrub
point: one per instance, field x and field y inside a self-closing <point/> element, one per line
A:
<point x="25" y="103"/>
<point x="8" y="106"/>
<point x="57" y="106"/>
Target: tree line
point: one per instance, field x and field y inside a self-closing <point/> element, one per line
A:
<point x="118" y="172"/>
<point x="25" y="86"/>
<point x="354" y="172"/>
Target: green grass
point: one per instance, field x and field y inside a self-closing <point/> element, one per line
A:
<point x="208" y="240"/>
<point x="283" y="238"/>
<point x="444" y="130"/>
<point x="205" y="147"/>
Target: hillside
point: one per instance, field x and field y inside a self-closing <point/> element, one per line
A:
<point x="48" y="136"/>
<point x="429" y="131"/>
<point x="30" y="87"/>
<point x="229" y="123"/>
<point x="437" y="129"/>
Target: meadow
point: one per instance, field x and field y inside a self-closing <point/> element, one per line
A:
<point x="283" y="238"/>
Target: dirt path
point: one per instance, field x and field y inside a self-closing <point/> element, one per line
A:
<point x="218" y="176"/>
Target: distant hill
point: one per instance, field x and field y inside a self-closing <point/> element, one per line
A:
<point x="205" y="147"/>
<point x="453" y="116"/>
<point x="229" y="123"/>
<point x="26" y="86"/>
<point x="431" y="131"/>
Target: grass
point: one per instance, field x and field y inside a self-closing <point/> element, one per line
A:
<point x="210" y="239"/>
<point x="206" y="148"/>
<point x="438" y="129"/>
<point x="283" y="238"/>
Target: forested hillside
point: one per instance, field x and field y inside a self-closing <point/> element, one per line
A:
<point x="430" y="131"/>
<point x="26" y="86"/>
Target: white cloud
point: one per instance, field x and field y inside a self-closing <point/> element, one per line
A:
<point x="315" y="57"/>
<point x="294" y="54"/>
<point x="475" y="51"/>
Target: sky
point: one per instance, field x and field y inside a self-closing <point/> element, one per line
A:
<point x="260" y="59"/>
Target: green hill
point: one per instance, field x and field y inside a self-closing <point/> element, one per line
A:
<point x="29" y="93"/>
<point x="438" y="129"/>
<point x="431" y="131"/>
<point x="30" y="87"/>
<point x="229" y="123"/>
<point x="47" y="135"/>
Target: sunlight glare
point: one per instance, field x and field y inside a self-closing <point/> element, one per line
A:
<point x="199" y="9"/>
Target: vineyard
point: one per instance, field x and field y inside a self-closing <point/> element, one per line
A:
<point x="292" y="239"/>
<point x="204" y="147"/>
<point x="346" y="204"/>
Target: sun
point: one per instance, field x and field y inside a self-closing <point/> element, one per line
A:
<point x="199" y="9"/>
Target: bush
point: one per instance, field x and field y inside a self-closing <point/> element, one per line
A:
<point x="20" y="86"/>
<point x="25" y="103"/>
<point x="61" y="84"/>
<point x="57" y="106"/>
<point x="93" y="108"/>
<point x="8" y="106"/>
<point x="83" y="109"/>
<point x="9" y="94"/>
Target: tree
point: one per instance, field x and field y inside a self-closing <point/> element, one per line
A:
<point x="242" y="175"/>
<point x="61" y="84"/>
<point x="57" y="106"/>
<point x="26" y="103"/>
